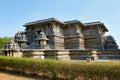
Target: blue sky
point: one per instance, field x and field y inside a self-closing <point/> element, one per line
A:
<point x="15" y="13"/>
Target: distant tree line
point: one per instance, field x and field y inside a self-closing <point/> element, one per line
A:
<point x="4" y="40"/>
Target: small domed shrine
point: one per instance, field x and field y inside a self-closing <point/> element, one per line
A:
<point x="12" y="49"/>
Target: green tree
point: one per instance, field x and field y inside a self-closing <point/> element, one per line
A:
<point x="4" y="40"/>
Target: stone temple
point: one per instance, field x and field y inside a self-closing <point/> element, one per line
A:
<point x="53" y="34"/>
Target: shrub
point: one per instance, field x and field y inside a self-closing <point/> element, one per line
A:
<point x="68" y="70"/>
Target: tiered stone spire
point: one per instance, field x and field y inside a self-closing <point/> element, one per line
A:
<point x="11" y="48"/>
<point x="21" y="39"/>
<point x="12" y="45"/>
<point x="42" y="40"/>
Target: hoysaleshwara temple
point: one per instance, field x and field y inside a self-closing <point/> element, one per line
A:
<point x="52" y="38"/>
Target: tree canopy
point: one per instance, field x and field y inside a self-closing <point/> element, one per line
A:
<point x="4" y="40"/>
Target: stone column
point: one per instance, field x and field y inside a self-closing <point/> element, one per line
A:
<point x="94" y="54"/>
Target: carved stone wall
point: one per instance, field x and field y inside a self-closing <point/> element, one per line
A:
<point x="73" y="37"/>
<point x="68" y="35"/>
<point x="58" y="36"/>
<point x="75" y="54"/>
<point x="92" y="37"/>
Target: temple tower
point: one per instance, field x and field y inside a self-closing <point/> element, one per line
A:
<point x="21" y="40"/>
<point x="42" y="40"/>
<point x="110" y="43"/>
<point x="12" y="49"/>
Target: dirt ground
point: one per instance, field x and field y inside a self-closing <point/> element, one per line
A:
<point x="8" y="76"/>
